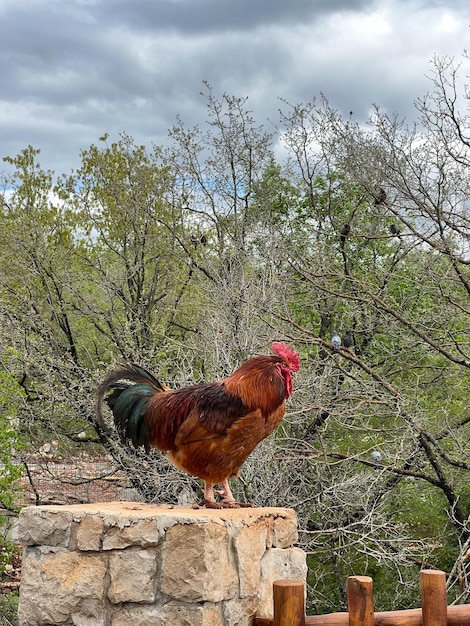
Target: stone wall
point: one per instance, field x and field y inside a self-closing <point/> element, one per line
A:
<point x="115" y="564"/>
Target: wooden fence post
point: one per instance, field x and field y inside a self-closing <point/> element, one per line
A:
<point x="433" y="597"/>
<point x="289" y="603"/>
<point x="360" y="601"/>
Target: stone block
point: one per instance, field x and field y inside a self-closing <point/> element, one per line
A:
<point x="277" y="564"/>
<point x="240" y="611"/>
<point x="90" y="533"/>
<point x="39" y="527"/>
<point x="250" y="546"/>
<point x="170" y="614"/>
<point x="197" y="565"/>
<point x="141" y="533"/>
<point x="284" y="532"/>
<point x="132" y="576"/>
<point x="60" y="587"/>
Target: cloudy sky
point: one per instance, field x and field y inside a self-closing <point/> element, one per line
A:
<point x="73" y="70"/>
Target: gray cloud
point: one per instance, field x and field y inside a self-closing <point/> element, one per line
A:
<point x="74" y="70"/>
<point x="214" y="16"/>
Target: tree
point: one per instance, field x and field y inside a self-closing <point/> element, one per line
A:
<point x="129" y="247"/>
<point x="37" y="255"/>
<point x="220" y="169"/>
<point x="404" y="294"/>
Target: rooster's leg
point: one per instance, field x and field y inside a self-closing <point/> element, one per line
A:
<point x="208" y="498"/>
<point x="227" y="494"/>
<point x="209" y="492"/>
<point x="228" y="501"/>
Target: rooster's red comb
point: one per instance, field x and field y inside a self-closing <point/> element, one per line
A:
<point x="286" y="353"/>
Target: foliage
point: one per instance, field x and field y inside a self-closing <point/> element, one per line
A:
<point x="11" y="397"/>
<point x="9" y="610"/>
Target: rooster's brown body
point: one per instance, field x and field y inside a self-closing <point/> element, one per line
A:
<point x="209" y="429"/>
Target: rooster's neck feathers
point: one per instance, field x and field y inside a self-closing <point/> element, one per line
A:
<point x="258" y="384"/>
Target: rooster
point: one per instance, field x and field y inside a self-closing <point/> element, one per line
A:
<point x="208" y="429"/>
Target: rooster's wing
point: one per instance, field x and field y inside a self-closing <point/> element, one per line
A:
<point x="213" y="413"/>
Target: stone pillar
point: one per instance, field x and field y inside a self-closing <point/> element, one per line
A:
<point x="116" y="564"/>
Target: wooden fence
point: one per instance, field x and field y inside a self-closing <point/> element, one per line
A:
<point x="289" y="606"/>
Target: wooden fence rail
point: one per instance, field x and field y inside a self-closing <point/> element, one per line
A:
<point x="289" y="606"/>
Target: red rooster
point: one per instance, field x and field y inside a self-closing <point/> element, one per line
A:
<point x="209" y="429"/>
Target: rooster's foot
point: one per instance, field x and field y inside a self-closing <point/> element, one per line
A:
<point x="211" y="504"/>
<point x="232" y="504"/>
<point x="225" y="504"/>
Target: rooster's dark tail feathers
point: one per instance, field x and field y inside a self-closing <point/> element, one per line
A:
<point x="127" y="391"/>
